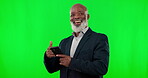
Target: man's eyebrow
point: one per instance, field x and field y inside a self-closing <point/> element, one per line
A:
<point x="80" y="11"/>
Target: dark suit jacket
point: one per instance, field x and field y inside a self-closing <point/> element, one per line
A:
<point x="90" y="59"/>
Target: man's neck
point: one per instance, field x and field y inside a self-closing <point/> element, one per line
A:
<point x="77" y="34"/>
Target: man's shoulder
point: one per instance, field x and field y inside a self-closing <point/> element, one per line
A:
<point x="99" y="37"/>
<point x="93" y="33"/>
<point x="99" y="34"/>
<point x="66" y="39"/>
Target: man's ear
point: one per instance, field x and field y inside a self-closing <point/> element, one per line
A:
<point x="88" y="16"/>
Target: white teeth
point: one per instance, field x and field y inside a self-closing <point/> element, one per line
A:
<point x="77" y="21"/>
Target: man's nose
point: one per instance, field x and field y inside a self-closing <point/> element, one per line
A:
<point x="77" y="17"/>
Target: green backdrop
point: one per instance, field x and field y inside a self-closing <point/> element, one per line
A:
<point x="27" y="26"/>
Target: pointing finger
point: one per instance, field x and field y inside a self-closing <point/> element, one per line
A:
<point x="60" y="55"/>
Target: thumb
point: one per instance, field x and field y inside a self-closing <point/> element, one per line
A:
<point x="50" y="44"/>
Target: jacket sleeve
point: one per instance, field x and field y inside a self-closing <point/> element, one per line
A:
<point x="52" y="64"/>
<point x="99" y="65"/>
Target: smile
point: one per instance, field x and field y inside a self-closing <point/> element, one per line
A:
<point x="78" y="22"/>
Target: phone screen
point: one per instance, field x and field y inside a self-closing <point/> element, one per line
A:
<point x="56" y="50"/>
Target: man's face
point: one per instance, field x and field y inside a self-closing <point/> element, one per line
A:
<point x="77" y="16"/>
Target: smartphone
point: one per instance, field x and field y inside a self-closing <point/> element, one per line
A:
<point x="56" y="50"/>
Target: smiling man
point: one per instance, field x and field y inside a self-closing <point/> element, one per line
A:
<point x="78" y="17"/>
<point x="85" y="53"/>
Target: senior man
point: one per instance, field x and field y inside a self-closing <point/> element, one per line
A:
<point x="85" y="52"/>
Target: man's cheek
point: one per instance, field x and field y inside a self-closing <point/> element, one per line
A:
<point x="71" y="20"/>
<point x="84" y="18"/>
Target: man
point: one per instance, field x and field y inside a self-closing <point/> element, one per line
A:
<point x="85" y="53"/>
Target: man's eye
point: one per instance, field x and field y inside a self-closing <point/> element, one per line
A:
<point x="82" y="13"/>
<point x="71" y="15"/>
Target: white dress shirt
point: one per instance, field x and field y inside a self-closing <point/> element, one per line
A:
<point x="76" y="41"/>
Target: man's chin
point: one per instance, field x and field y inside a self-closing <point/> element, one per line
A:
<point x="78" y="27"/>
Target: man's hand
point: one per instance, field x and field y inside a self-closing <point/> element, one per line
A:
<point x="64" y="60"/>
<point x="49" y="53"/>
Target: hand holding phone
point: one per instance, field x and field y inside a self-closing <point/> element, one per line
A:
<point x="49" y="53"/>
<point x="56" y="50"/>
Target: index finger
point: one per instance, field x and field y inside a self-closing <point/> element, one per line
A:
<point x="61" y="55"/>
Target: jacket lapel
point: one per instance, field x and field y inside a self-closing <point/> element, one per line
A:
<point x="82" y="42"/>
<point x="68" y="46"/>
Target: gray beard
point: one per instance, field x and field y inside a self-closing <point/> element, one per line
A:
<point x="79" y="28"/>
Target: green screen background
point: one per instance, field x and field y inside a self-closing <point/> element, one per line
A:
<point x="27" y="26"/>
